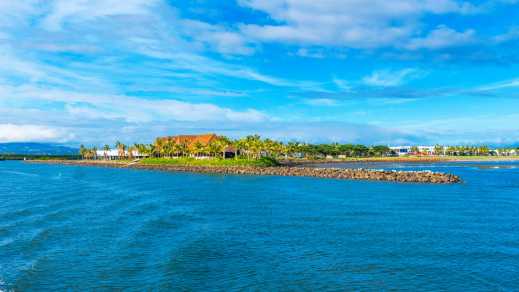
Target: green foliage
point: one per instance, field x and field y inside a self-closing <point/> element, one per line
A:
<point x="189" y="161"/>
<point x="267" y="161"/>
<point x="254" y="149"/>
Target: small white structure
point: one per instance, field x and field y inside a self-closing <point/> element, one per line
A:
<point x="401" y="150"/>
<point x="505" y="152"/>
<point x="429" y="150"/>
<point x="113" y="154"/>
<point x="109" y="155"/>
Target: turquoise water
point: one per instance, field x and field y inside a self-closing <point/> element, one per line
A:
<point x="86" y="228"/>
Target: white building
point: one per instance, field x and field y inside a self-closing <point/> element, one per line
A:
<point x="406" y="150"/>
<point x="113" y="154"/>
<point x="429" y="150"/>
<point x="401" y="150"/>
<point x="504" y="152"/>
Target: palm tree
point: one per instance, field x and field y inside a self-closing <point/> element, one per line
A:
<point x="197" y="148"/>
<point x="106" y="149"/>
<point x="241" y="146"/>
<point x="269" y="146"/>
<point x="141" y="149"/>
<point x="159" y="147"/>
<point x="150" y="148"/>
<point x="183" y="149"/>
<point x="292" y="148"/>
<point x="94" y="153"/>
<point x="214" y="147"/>
<point x="439" y="150"/>
<point x="176" y="149"/>
<point x="131" y="150"/>
<point x="167" y="148"/>
<point x="483" y="150"/>
<point x="225" y="144"/>
<point x="120" y="149"/>
<point x="86" y="153"/>
<point x="253" y="145"/>
<point x="82" y="151"/>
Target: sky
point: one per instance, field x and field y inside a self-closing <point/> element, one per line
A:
<point x="349" y="71"/>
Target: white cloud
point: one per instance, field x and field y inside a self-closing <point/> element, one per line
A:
<point x="514" y="83"/>
<point x="310" y="53"/>
<point x="216" y="37"/>
<point x="510" y="35"/>
<point x="118" y="22"/>
<point x="387" y="78"/>
<point x="64" y="11"/>
<point x="127" y="108"/>
<point x="14" y="13"/>
<point x="130" y="48"/>
<point x="21" y="133"/>
<point x="442" y="37"/>
<point x="350" y="23"/>
<point x="342" y="84"/>
<point x="321" y="102"/>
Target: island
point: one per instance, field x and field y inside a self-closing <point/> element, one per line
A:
<point x="211" y="153"/>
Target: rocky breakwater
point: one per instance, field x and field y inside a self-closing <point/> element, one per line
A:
<point x="332" y="173"/>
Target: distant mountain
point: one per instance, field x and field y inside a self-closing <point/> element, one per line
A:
<point x="36" y="149"/>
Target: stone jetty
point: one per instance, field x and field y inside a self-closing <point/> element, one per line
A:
<point x="331" y="173"/>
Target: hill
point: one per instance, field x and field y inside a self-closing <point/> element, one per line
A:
<point x="36" y="149"/>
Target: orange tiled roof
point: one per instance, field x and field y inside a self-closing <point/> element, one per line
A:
<point x="191" y="140"/>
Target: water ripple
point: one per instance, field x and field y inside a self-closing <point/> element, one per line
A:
<point x="79" y="228"/>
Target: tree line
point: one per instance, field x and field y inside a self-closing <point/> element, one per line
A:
<point x="253" y="147"/>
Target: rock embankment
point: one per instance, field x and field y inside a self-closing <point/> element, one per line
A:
<point x="333" y="173"/>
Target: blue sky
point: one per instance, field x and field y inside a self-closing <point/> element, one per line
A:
<point x="358" y="71"/>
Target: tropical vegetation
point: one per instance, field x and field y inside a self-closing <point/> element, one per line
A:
<point x="253" y="147"/>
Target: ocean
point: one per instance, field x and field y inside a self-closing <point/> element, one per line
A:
<point x="82" y="228"/>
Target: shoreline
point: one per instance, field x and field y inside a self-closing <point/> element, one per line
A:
<point x="402" y="159"/>
<point x="330" y="173"/>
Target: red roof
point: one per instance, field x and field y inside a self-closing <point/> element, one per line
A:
<point x="191" y="140"/>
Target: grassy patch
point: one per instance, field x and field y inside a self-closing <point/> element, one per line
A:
<point x="188" y="161"/>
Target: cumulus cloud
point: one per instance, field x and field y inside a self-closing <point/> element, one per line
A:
<point x="128" y="108"/>
<point x="355" y="24"/>
<point x="22" y="133"/>
<point x="144" y="68"/>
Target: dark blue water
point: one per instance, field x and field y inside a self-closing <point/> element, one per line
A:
<point x="86" y="228"/>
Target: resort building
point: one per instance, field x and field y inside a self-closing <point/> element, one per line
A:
<point x="401" y="150"/>
<point x="191" y="140"/>
<point x="204" y="140"/>
<point x="504" y="152"/>
<point x="114" y="154"/>
<point x="409" y="150"/>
